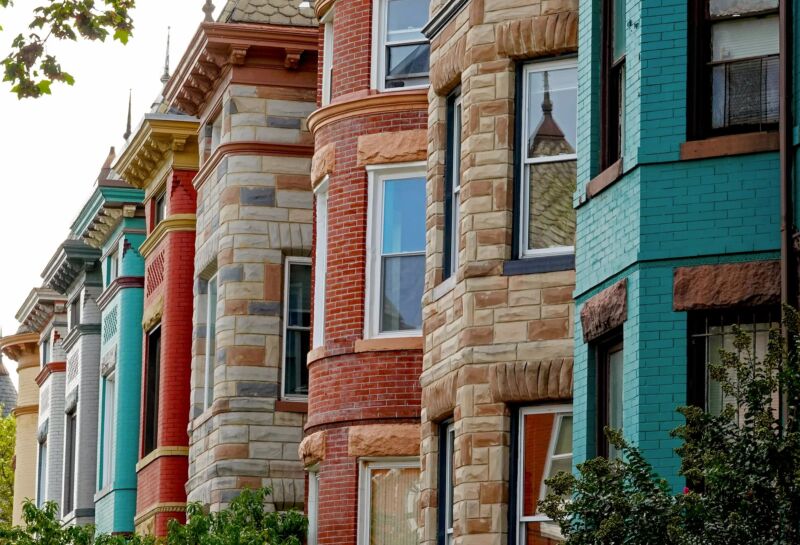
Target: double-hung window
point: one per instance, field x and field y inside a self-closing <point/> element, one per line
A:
<point x="45" y="351"/>
<point x="320" y="262"/>
<point x="75" y="312"/>
<point x="548" y="158"/>
<point x="613" y="81"/>
<point x="297" y="326"/>
<point x="544" y="449"/>
<point x="152" y="383"/>
<point x="396" y="250"/>
<point x="388" y="499"/>
<point x="712" y="331"/>
<point x="109" y="409"/>
<point x="735" y="78"/>
<point x="211" y="342"/>
<point x="609" y="393"/>
<point x="41" y="479"/>
<point x="452" y="185"/>
<point x="327" y="56"/>
<point x="70" y="452"/>
<point x="402" y="50"/>
<point x="113" y="267"/>
<point x="160" y="208"/>
<point x="446" y="483"/>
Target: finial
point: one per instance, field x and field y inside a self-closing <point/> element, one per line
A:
<point x="208" y="9"/>
<point x="128" y="129"/>
<point x="165" y="75"/>
<point x="547" y="104"/>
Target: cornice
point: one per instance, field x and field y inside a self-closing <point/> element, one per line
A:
<point x="163" y="507"/>
<point x="218" y="47"/>
<point x="119" y="283"/>
<point x="160" y="139"/>
<point x="50" y="369"/>
<point x="20" y="345"/>
<point x="177" y="222"/>
<point x="249" y="148"/>
<point x="25" y="410"/>
<point x="346" y="108"/>
<point x="39" y="307"/>
<point x="72" y="257"/>
<point x="77" y="332"/>
<point x="104" y="211"/>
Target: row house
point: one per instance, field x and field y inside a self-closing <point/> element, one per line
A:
<point x="250" y="80"/>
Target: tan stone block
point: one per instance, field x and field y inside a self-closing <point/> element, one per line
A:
<point x="384" y="440"/>
<point x="552" y="296"/>
<point x="556" y="311"/>
<point x="546" y="280"/>
<point x="490" y="299"/>
<point x="525" y="297"/>
<point x="511" y="332"/>
<point x="392" y="147"/>
<point x="517" y="314"/>
<point x="293" y="181"/>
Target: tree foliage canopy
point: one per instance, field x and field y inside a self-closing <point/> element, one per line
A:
<point x="742" y="466"/>
<point x="31" y="70"/>
<point x="8" y="432"/>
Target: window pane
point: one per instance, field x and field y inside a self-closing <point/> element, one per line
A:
<point x="564" y="442"/>
<point x="403" y="216"/>
<point x="297" y="347"/>
<point x="401" y="297"/>
<point x="552" y="97"/>
<point x="537" y="430"/>
<point x="739" y="39"/>
<point x="745" y="92"/>
<point x="406" y="19"/>
<point x="542" y="533"/>
<point x="620" y="23"/>
<point x="299" y="311"/>
<point x="404" y="61"/>
<point x="211" y="341"/>
<point x="551" y="215"/>
<point x="394" y="494"/>
<point x="739" y="7"/>
<point x="615" y="365"/>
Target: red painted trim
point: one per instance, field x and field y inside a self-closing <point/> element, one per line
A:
<point x="49" y="369"/>
<point x="291" y="406"/>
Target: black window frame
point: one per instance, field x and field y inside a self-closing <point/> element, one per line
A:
<point x="699" y="88"/>
<point x="609" y="344"/>
<point x="450" y="246"/>
<point x="445" y="501"/>
<point x="612" y="100"/>
<point x="151" y="392"/>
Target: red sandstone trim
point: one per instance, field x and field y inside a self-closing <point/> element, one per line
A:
<point x="734" y="144"/>
<point x="291" y="406"/>
<point x="49" y="369"/>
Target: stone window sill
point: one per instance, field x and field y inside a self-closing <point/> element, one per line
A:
<point x="539" y="265"/>
<point x="444" y="288"/>
<point x="604" y="180"/>
<point x="386" y="344"/>
<point x="725" y="146"/>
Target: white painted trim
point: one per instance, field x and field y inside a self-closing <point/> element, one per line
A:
<point x="313" y="505"/>
<point x="320" y="266"/>
<point x="288" y="262"/>
<point x="366" y="465"/>
<point x="456" y="126"/>
<point x="450" y="450"/>
<point x="327" y="55"/>
<point x="209" y="361"/>
<point x="378" y="65"/>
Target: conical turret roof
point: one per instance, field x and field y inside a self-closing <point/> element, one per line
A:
<point x="8" y="394"/>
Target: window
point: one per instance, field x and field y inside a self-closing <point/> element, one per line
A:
<point x="735" y="85"/>
<point x="71" y="432"/>
<point x="388" y="500"/>
<point x="45" y="351"/>
<point x="544" y="449"/>
<point x="549" y="162"/>
<point x="152" y="372"/>
<point x="446" y="483"/>
<point x="396" y="251"/>
<point x="109" y="418"/>
<point x="216" y="132"/>
<point x="297" y="326"/>
<point x="710" y="332"/>
<point x="211" y="342"/>
<point x="402" y="50"/>
<point x="313" y="505"/>
<point x="41" y="479"/>
<point x="113" y="267"/>
<point x="320" y="263"/>
<point x="160" y="208"/>
<point x="452" y="197"/>
<point x="75" y="313"/>
<point x="613" y="77"/>
<point x="327" y="56"/>
<point x="609" y="393"/>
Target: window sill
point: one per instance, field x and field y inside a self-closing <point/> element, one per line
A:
<point x="291" y="406"/>
<point x="538" y="265"/>
<point x="604" y="180"/>
<point x="734" y="144"/>
<point x="444" y="288"/>
<point x="386" y="344"/>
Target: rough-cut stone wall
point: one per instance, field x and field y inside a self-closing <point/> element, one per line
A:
<point x="490" y="340"/>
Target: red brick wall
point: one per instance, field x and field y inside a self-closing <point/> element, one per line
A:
<point x="352" y="48"/>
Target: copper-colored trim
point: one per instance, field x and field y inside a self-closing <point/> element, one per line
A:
<point x="400" y="101"/>
<point x="321" y="7"/>
<point x="250" y="148"/>
<point x="734" y="144"/>
<point x="25" y="410"/>
<point x="604" y="180"/>
<point x="387" y="344"/>
<point x="49" y="369"/>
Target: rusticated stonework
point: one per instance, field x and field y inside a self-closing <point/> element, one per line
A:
<point x="605" y="311"/>
<point x="718" y="286"/>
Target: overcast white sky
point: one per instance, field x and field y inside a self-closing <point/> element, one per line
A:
<point x="51" y="148"/>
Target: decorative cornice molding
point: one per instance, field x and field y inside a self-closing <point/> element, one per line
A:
<point x="249" y="148"/>
<point x="18" y="346"/>
<point x="161" y="139"/>
<point x="25" y="410"/>
<point x="49" y="369"/>
<point x="176" y="222"/>
<point x="153" y="313"/>
<point x="401" y="101"/>
<point x="119" y="283"/>
<point x="39" y="307"/>
<point x="79" y="331"/>
<point x="72" y="258"/>
<point x="164" y="507"/>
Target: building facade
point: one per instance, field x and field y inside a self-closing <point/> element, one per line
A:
<point x="161" y="159"/>
<point x="112" y="221"/>
<point x="368" y="174"/>
<point x="678" y="205"/>
<point x="497" y="371"/>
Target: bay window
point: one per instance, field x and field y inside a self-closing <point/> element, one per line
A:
<point x="152" y="382"/>
<point x="544" y="449"/>
<point x="396" y="250"/>
<point x="609" y="393"/>
<point x="548" y="160"/>
<point x="388" y="499"/>
<point x="296" y="326"/>
<point x="401" y="50"/>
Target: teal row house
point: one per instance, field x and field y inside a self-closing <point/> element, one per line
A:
<point x="113" y="221"/>
<point x="678" y="210"/>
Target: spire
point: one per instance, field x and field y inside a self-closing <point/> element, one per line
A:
<point x="547" y="105"/>
<point x="128" y="128"/>
<point x="208" y="9"/>
<point x="165" y="75"/>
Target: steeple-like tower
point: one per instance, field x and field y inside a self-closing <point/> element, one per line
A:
<point x="165" y="76"/>
<point x="128" y="127"/>
<point x="8" y="394"/>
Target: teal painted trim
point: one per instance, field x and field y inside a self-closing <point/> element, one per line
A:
<point x="99" y="198"/>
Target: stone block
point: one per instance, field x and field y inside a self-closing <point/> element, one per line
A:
<point x="392" y="147"/>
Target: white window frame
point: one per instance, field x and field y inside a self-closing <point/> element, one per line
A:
<point x="377" y="174"/>
<point x="380" y="14"/>
<point x="366" y="465"/>
<point x="456" y="127"/>
<point x="109" y="416"/>
<point x="320" y="264"/>
<point x="449" y="484"/>
<point x="44" y="350"/>
<point x="313" y="505"/>
<point x="287" y="267"/>
<point x="210" y="352"/>
<point x="558" y="412"/>
<point x="526" y="163"/>
<point x="113" y="266"/>
<point x="327" y="56"/>
<point x="41" y="472"/>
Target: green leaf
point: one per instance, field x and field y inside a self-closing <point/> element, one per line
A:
<point x="44" y="86"/>
<point x="122" y="35"/>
